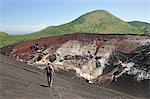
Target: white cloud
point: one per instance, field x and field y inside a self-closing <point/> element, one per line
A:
<point x="22" y="29"/>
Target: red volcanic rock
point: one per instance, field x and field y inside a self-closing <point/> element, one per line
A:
<point x="124" y="43"/>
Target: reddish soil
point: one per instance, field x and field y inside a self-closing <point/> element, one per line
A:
<point x="25" y="50"/>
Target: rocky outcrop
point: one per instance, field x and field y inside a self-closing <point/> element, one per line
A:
<point x="99" y="59"/>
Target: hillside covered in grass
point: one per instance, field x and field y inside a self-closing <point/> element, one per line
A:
<point x="99" y="21"/>
<point x="3" y="34"/>
<point x="143" y="26"/>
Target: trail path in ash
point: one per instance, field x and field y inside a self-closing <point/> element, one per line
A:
<point x="20" y="81"/>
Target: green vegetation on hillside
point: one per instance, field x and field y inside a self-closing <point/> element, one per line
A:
<point x="143" y="26"/>
<point x="3" y="34"/>
<point x="8" y="40"/>
<point x="98" y="21"/>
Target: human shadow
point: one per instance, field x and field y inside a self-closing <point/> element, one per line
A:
<point x="42" y="85"/>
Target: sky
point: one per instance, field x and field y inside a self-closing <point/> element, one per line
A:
<point x="27" y="16"/>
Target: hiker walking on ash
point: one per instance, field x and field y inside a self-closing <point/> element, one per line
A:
<point x="49" y="73"/>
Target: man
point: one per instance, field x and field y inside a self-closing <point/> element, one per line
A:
<point x="49" y="73"/>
